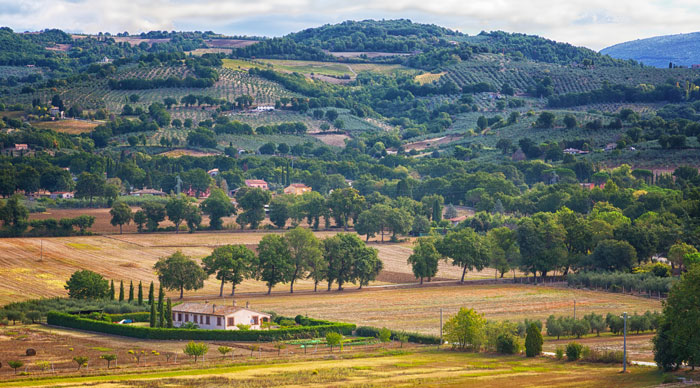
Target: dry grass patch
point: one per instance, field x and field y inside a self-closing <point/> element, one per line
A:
<point x="69" y="126"/>
<point x="427" y="78"/>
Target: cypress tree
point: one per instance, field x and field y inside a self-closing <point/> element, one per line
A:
<point x="437" y="212"/>
<point x="121" y="291"/>
<point x="131" y="291"/>
<point x="111" y="290"/>
<point x="161" y="315"/>
<point x="153" y="315"/>
<point x="533" y="341"/>
<point x="150" y="294"/>
<point x="161" y="298"/>
<point x="140" y="297"/>
<point x="169" y="314"/>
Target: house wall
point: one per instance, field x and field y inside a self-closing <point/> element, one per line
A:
<point x="246" y="317"/>
<point x="219" y="322"/>
<point x="199" y="319"/>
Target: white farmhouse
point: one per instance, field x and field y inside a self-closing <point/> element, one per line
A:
<point x="212" y="316"/>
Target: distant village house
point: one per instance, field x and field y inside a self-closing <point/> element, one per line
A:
<point x="256" y="183"/>
<point x="62" y="195"/>
<point x="297" y="189"/>
<point x="145" y="191"/>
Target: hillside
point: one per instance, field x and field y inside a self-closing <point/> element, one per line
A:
<point x="540" y="49"/>
<point x="396" y="36"/>
<point x="680" y="49"/>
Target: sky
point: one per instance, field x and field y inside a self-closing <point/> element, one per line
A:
<point x="592" y="23"/>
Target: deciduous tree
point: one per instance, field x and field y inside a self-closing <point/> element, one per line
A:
<point x="425" y="258"/>
<point x="179" y="272"/>
<point x="230" y="263"/>
<point x="466" y="249"/>
<point x="274" y="261"/>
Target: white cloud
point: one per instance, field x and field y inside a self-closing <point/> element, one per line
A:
<point x="592" y="23"/>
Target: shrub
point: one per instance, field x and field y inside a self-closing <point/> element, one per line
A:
<point x="224" y="350"/>
<point x="80" y="360"/>
<point x="334" y="339"/>
<point x="574" y="351"/>
<point x="533" y="341"/>
<point x="196" y="349"/>
<point x="507" y="344"/>
<point x="605" y="356"/>
<point x="109" y="358"/>
<point x="559" y="353"/>
<point x="384" y="335"/>
<point x="15" y="364"/>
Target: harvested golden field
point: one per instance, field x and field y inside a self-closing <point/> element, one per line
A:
<point x="69" y="126"/>
<point x="427" y="78"/>
<point x="332" y="139"/>
<point x="176" y="153"/>
<point x="639" y="346"/>
<point x="427" y="143"/>
<point x="423" y="366"/>
<point x="26" y="272"/>
<point x="418" y="308"/>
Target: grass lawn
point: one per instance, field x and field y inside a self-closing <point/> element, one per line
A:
<point x="425" y="367"/>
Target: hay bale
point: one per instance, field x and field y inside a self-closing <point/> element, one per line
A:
<point x="31" y="352"/>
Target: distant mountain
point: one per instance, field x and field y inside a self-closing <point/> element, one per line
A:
<point x="681" y="49"/>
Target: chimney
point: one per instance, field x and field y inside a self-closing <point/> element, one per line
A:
<point x="213" y="308"/>
<point x="234" y="303"/>
<point x="247" y="304"/>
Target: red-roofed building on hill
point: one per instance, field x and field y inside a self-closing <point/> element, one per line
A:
<point x="256" y="183"/>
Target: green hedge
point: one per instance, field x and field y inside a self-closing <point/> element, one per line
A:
<point x="72" y="321"/>
<point x="369" y="331"/>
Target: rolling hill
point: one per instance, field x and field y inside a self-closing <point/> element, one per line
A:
<point x="680" y="49"/>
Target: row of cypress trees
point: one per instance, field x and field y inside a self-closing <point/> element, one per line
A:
<point x="161" y="311"/>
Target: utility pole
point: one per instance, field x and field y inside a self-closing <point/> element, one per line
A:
<point x="624" y="345"/>
<point x="440" y="328"/>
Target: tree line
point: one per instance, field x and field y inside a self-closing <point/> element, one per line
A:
<point x="280" y="259"/>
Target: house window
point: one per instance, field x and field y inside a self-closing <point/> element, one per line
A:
<point x="196" y="319"/>
<point x="255" y="320"/>
<point x="187" y="317"/>
<point x="174" y="317"/>
<point x="218" y="321"/>
<point x="208" y="320"/>
<point x="230" y="321"/>
<point x="179" y="317"/>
